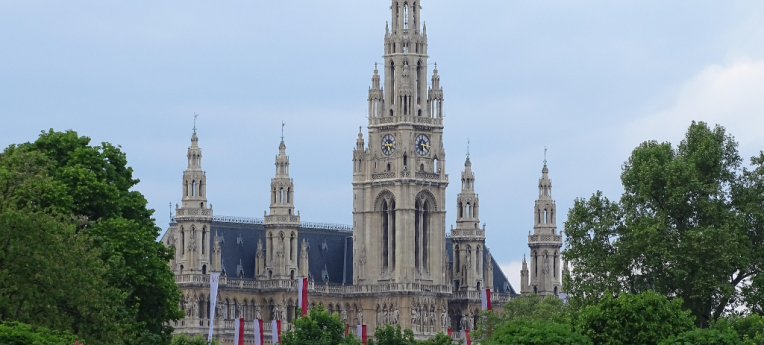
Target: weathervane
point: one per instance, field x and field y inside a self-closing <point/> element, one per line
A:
<point x="195" y="116"/>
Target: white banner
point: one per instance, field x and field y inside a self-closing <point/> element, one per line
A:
<point x="214" y="279"/>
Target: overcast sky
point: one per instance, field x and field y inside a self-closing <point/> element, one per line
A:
<point x="588" y="79"/>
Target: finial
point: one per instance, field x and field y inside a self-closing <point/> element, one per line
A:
<point x="195" y="116"/>
<point x="282" y="130"/>
<point x="170" y="210"/>
<point x="545" y="149"/>
<point x="468" y="148"/>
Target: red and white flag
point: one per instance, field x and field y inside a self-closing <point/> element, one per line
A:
<point x="347" y="329"/>
<point x="450" y="333"/>
<point x="238" y="332"/>
<point x="259" y="332"/>
<point x="302" y="295"/>
<point x="467" y="335"/>
<point x="485" y="298"/>
<point x="276" y="331"/>
<point x="361" y="333"/>
<point x="214" y="279"/>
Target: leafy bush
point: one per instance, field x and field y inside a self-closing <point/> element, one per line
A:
<point x="14" y="333"/>
<point x="523" y="332"/>
<point x="197" y="340"/>
<point x="705" y="337"/>
<point x="645" y="319"/>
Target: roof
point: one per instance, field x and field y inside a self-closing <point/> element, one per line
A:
<point x="330" y="250"/>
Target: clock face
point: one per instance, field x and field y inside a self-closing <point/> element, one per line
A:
<point x="422" y="145"/>
<point x="388" y="144"/>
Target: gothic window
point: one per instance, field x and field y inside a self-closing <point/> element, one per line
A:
<point x="546" y="217"/>
<point x="281" y="195"/>
<point x="388" y="167"/>
<point x="288" y="195"/>
<point x="227" y="315"/>
<point x="417" y="233"/>
<point x="461" y="210"/>
<point x="181" y="269"/>
<point x="536" y="263"/>
<point x="183" y="241"/>
<point x="426" y="235"/>
<point x="457" y="258"/>
<point x="435" y="165"/>
<point x="185" y="187"/>
<point x="204" y="269"/>
<point x="406" y="16"/>
<point x="292" y="246"/>
<point x="201" y="307"/>
<point x="270" y="244"/>
<point x="405" y="161"/>
<point x="417" y="87"/>
<point x="478" y="258"/>
<point x="392" y="81"/>
<point x="469" y="210"/>
<point x="193" y="188"/>
<point x="204" y="239"/>
<point x="201" y="189"/>
<point x="385" y="234"/>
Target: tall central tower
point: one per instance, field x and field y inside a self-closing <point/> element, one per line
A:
<point x="399" y="180"/>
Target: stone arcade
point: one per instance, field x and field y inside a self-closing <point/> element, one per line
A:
<point x="395" y="264"/>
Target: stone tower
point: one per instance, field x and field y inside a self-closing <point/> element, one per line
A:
<point x="543" y="276"/>
<point x="468" y="238"/>
<point x="194" y="216"/>
<point x="282" y="224"/>
<point x="399" y="184"/>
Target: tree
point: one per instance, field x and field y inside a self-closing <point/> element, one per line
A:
<point x="705" y="337"/>
<point x="318" y="328"/>
<point x="197" y="340"/>
<point x="526" y="332"/>
<point x="15" y="333"/>
<point x="689" y="224"/>
<point x="531" y="308"/>
<point x="646" y="318"/>
<point x="94" y="229"/>
<point x="749" y="327"/>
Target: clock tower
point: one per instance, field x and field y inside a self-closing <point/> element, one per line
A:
<point x="399" y="180"/>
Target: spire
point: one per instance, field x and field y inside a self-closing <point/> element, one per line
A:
<point x="359" y="143"/>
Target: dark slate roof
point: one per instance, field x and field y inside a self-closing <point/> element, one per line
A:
<point x="330" y="250"/>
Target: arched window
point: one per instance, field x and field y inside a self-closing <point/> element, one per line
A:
<point x="417" y="234"/>
<point x="201" y="188"/>
<point x="406" y="16"/>
<point x="546" y="217"/>
<point x="193" y="188"/>
<point x="426" y="235"/>
<point x="385" y="234"/>
<point x="183" y="241"/>
<point x="405" y="160"/>
<point x="469" y="214"/>
<point x="392" y="81"/>
<point x="388" y="167"/>
<point x="457" y="258"/>
<point x="292" y="247"/>
<point x="281" y="197"/>
<point x="478" y="259"/>
<point x="181" y="269"/>
<point x="435" y="165"/>
<point x="461" y="210"/>
<point x="204" y="239"/>
<point x="536" y="263"/>
<point x="204" y="269"/>
<point x="228" y="315"/>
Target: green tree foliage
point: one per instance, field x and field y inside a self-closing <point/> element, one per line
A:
<point x="197" y="340"/>
<point x="15" y="333"/>
<point x="318" y="328"/>
<point x="645" y="318"/>
<point x="750" y="327"/>
<point x="689" y="224"/>
<point x="78" y="247"/>
<point x="526" y="332"/>
<point x="707" y="336"/>
<point x="390" y="335"/>
<point x="529" y="309"/>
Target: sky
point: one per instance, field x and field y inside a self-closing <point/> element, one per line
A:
<point x="588" y="79"/>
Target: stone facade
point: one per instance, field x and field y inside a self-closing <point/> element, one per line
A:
<point x="395" y="265"/>
<point x="544" y="277"/>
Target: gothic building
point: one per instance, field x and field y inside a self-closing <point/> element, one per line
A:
<point x="396" y="264"/>
<point x="543" y="278"/>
